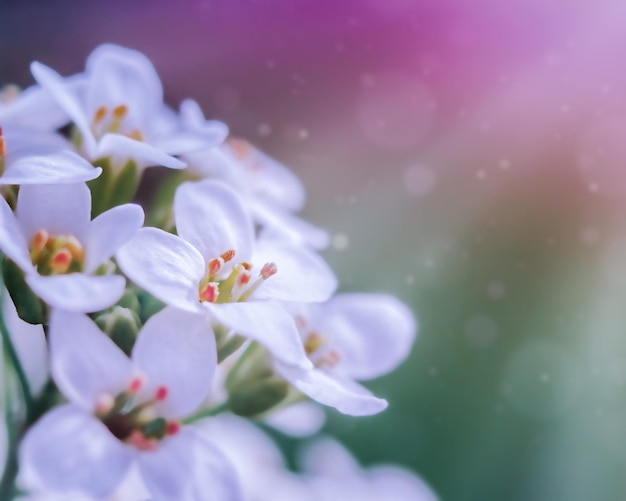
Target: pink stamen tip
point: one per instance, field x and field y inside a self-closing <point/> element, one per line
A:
<point x="104" y="404"/>
<point x="61" y="260"/>
<point x="3" y="146"/>
<point x="215" y="265"/>
<point x="243" y="279"/>
<point x="135" y="385"/>
<point x="161" y="393"/>
<point x="228" y="255"/>
<point x="142" y="442"/>
<point x="173" y="427"/>
<point x="268" y="270"/>
<point x="210" y="292"/>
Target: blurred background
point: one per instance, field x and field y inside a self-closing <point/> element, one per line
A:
<point x="468" y="157"/>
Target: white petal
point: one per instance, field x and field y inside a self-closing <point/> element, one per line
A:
<point x="281" y="224"/>
<point x="30" y="343"/>
<point x="275" y="182"/>
<point x="18" y="137"/>
<point x="182" y="142"/>
<point x="213" y="219"/>
<point x="214" y="478"/>
<point x="165" y="265"/>
<point x="60" y="209"/>
<point x="327" y="457"/>
<point x="372" y="332"/>
<point x="47" y="166"/>
<point x="68" y="450"/>
<point x="302" y="274"/>
<point x="176" y="349"/>
<point x="298" y="420"/>
<point x="34" y="108"/>
<point x="109" y="231"/>
<point x="345" y="396"/>
<point x="85" y="363"/>
<point x="67" y="99"/>
<point x="404" y="484"/>
<point x="12" y="241"/>
<point x="267" y="323"/>
<point x="121" y="76"/>
<point x="167" y="470"/>
<point x="78" y="292"/>
<point x="144" y="154"/>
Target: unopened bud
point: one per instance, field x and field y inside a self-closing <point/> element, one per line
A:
<point x="258" y="397"/>
<point x="122" y="326"/>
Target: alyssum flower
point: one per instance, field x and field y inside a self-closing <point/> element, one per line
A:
<point x="351" y="337"/>
<point x="124" y="412"/>
<point x="215" y="267"/>
<point x="119" y="112"/>
<point x="52" y="238"/>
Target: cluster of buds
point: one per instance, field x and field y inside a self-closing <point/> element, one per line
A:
<point x="129" y="348"/>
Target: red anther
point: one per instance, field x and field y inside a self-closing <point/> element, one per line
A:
<point x="135" y="385"/>
<point x="61" y="260"/>
<point x="161" y="393"/>
<point x="243" y="279"/>
<point x="120" y="111"/>
<point x="173" y="427"/>
<point x="268" y="270"/>
<point x="228" y="255"/>
<point x="100" y="114"/>
<point x="246" y="266"/>
<point x="210" y="292"/>
<point x="3" y="145"/>
<point x="143" y="443"/>
<point x="215" y="265"/>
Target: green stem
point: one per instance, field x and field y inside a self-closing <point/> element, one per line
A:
<point x="7" y="483"/>
<point x="17" y="366"/>
<point x="205" y="413"/>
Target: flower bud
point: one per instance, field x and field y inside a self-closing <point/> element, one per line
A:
<point x="29" y="307"/>
<point x="258" y="397"/>
<point x="122" y="325"/>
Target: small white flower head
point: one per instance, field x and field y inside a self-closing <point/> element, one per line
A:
<point x="52" y="238"/>
<point x="215" y="267"/>
<point x="30" y="156"/>
<point x="124" y="412"/>
<point x="120" y="113"/>
<point x="351" y="337"/>
<point x="270" y="190"/>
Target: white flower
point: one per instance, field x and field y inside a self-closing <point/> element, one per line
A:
<point x="120" y="111"/>
<point x="332" y="474"/>
<point x="30" y="156"/>
<point x="211" y="266"/>
<point x="271" y="191"/>
<point x="52" y="239"/>
<point x="124" y="412"/>
<point x="351" y="337"/>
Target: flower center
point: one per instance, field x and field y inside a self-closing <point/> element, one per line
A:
<point x="134" y="423"/>
<point x="222" y="286"/>
<point x="113" y="120"/>
<point x="53" y="255"/>
<point x="319" y="350"/>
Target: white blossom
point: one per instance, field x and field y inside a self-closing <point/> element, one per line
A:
<point x="124" y="412"/>
<point x="209" y="268"/>
<point x="120" y="111"/>
<point x="351" y="337"/>
<point x="52" y="239"/>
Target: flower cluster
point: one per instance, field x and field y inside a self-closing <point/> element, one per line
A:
<point x="124" y="339"/>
